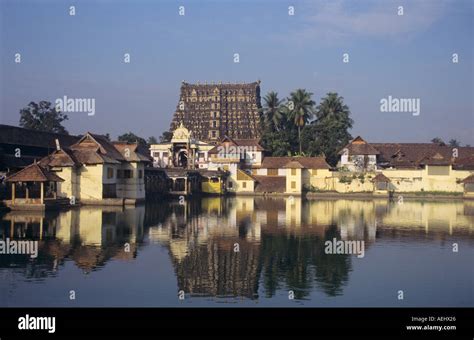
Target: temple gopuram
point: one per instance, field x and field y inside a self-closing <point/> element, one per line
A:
<point x="217" y="110"/>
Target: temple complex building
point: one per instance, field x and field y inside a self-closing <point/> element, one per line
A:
<point x="217" y="110"/>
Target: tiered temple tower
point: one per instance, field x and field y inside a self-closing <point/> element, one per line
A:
<point x="212" y="111"/>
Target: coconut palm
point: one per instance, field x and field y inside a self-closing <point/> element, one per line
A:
<point x="332" y="104"/>
<point x="272" y="111"/>
<point x="300" y="108"/>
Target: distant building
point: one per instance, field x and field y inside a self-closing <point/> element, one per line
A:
<point x="360" y="155"/>
<point x="217" y="110"/>
<point x="95" y="170"/>
<point x="237" y="156"/>
<point x="405" y="167"/>
<point x="183" y="151"/>
<point x="19" y="147"/>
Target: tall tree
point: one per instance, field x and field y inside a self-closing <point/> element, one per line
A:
<point x="454" y="143"/>
<point x="300" y="108"/>
<point x="130" y="137"/>
<point x="152" y="140"/>
<point x="166" y="137"/>
<point x="437" y="140"/>
<point x="329" y="132"/>
<point x="273" y="111"/>
<point x="42" y="117"/>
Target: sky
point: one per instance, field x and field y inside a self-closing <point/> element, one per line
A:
<point x="402" y="56"/>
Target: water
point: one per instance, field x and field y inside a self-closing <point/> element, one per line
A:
<point x="144" y="256"/>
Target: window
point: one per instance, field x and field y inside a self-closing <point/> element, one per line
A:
<point x="244" y="185"/>
<point x="434" y="170"/>
<point x="156" y="154"/>
<point x="293" y="172"/>
<point x="213" y="134"/>
<point x="110" y="173"/>
<point x="229" y="185"/>
<point x="119" y="173"/>
<point x="140" y="173"/>
<point x="293" y="185"/>
<point x="127" y="173"/>
<point x="272" y="172"/>
<point x="165" y="154"/>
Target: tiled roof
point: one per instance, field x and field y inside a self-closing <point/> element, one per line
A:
<point x="306" y="162"/>
<point x="34" y="173"/>
<point x="358" y="146"/>
<point x="17" y="135"/>
<point x="96" y="149"/>
<point x="465" y="163"/>
<point x="381" y="178"/>
<point x="270" y="184"/>
<point x="469" y="179"/>
<point x="134" y="154"/>
<point x="60" y="158"/>
<point x="243" y="176"/>
<point x="413" y="155"/>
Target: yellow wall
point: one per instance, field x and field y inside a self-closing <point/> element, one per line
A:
<point x="68" y="188"/>
<point x="90" y="180"/>
<point x="401" y="181"/>
<point x="134" y="187"/>
<point x="211" y="187"/>
<point x="297" y="178"/>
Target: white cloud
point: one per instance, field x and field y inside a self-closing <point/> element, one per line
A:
<point x="340" y="20"/>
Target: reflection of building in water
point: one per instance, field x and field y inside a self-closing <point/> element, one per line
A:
<point x="280" y="240"/>
<point x="89" y="236"/>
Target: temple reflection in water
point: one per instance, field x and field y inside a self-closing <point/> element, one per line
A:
<point x="241" y="247"/>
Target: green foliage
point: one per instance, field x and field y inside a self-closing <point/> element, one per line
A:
<point x="299" y="110"/>
<point x="166" y="137"/>
<point x="280" y="143"/>
<point x="42" y="117"/>
<point x="437" y="140"/>
<point x="297" y="132"/>
<point x="329" y="133"/>
<point x="152" y="140"/>
<point x="130" y="137"/>
<point x="345" y="179"/>
<point x="454" y="143"/>
<point x="273" y="112"/>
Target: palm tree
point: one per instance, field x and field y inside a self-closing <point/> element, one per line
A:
<point x="454" y="143"/>
<point x="272" y="111"/>
<point x="332" y="104"/>
<point x="300" y="107"/>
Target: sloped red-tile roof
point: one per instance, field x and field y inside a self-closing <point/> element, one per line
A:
<point x="359" y="146"/>
<point x="380" y="177"/>
<point x="469" y="179"/>
<point x="414" y="155"/>
<point x="34" y="173"/>
<point x="60" y="158"/>
<point x="96" y="149"/>
<point x="465" y="163"/>
<point x="131" y="152"/>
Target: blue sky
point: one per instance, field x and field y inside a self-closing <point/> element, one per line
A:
<point x="81" y="56"/>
